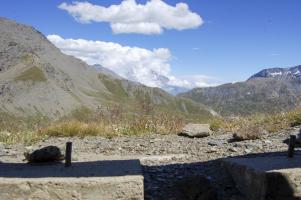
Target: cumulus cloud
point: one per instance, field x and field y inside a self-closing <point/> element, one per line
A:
<point x="150" y="67"/>
<point x="131" y="17"/>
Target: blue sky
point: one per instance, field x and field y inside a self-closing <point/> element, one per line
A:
<point x="237" y="39"/>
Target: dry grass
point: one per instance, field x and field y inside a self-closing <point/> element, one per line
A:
<point x="25" y="137"/>
<point x="72" y="128"/>
<point x="107" y="127"/>
<point x="113" y="121"/>
<point x="253" y="127"/>
<point x="106" y="121"/>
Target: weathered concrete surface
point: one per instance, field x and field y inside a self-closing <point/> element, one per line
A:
<point x="272" y="177"/>
<point x="107" y="180"/>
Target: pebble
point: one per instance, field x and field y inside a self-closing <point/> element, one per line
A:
<point x="247" y="151"/>
<point x="29" y="148"/>
<point x="212" y="150"/>
<point x="215" y="143"/>
<point x="233" y="149"/>
<point x="267" y="141"/>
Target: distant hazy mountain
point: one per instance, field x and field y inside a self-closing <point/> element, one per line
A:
<point x="37" y="79"/>
<point x="270" y="90"/>
<point x="161" y="80"/>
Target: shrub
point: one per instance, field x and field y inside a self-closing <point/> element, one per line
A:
<point x="216" y="124"/>
<point x="248" y="133"/>
<point x="295" y="117"/>
<point x="71" y="129"/>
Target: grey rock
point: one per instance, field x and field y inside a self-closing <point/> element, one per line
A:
<point x="247" y="151"/>
<point x="215" y="143"/>
<point x="267" y="142"/>
<point x="212" y="150"/>
<point x="233" y="149"/>
<point x="196" y="130"/>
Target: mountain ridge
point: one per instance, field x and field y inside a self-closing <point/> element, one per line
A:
<point x="36" y="78"/>
<point x="268" y="91"/>
<point x="278" y="72"/>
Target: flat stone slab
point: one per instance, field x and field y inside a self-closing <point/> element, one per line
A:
<point x="107" y="180"/>
<point x="266" y="176"/>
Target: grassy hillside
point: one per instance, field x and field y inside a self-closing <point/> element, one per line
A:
<point x="133" y="95"/>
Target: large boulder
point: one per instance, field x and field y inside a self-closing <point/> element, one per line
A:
<point x="196" y="130"/>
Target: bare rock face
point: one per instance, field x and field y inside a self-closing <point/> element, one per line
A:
<point x="46" y="154"/>
<point x="196" y="130"/>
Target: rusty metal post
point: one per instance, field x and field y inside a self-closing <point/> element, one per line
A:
<point x="68" y="155"/>
<point x="291" y="147"/>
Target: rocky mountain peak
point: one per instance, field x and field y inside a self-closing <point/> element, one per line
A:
<point x="291" y="72"/>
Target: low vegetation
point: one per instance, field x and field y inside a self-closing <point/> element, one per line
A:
<point x="113" y="121"/>
<point x="107" y="122"/>
<point x="24" y="137"/>
<point x="32" y="74"/>
<point x="255" y="126"/>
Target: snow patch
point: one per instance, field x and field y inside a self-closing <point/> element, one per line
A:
<point x="274" y="74"/>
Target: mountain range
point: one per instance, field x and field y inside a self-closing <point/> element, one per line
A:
<point x="36" y="78"/>
<point x="268" y="91"/>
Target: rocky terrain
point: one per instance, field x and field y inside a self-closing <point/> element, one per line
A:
<point x="170" y="161"/>
<point x="268" y="91"/>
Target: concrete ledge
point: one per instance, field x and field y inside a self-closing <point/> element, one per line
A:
<point x="107" y="180"/>
<point x="266" y="176"/>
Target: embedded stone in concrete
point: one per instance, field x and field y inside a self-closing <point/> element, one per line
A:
<point x="107" y="180"/>
<point x="266" y="177"/>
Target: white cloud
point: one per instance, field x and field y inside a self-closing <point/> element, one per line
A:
<point x="201" y="80"/>
<point x="133" y="63"/>
<point x="150" y="67"/>
<point x="131" y="17"/>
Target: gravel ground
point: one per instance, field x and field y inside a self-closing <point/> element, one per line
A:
<point x="169" y="161"/>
